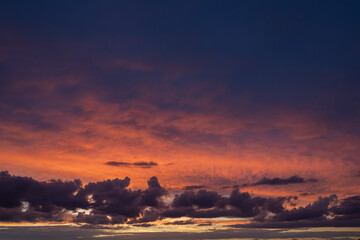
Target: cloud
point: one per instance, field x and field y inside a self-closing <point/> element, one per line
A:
<point x="316" y="210"/>
<point x="133" y="164"/>
<point x="19" y="215"/>
<point x="181" y="222"/>
<point x="205" y="204"/>
<point x="348" y="209"/>
<point x="151" y="196"/>
<point x="148" y="215"/>
<point x="112" y="202"/>
<point x="177" y="212"/>
<point x="110" y="199"/>
<point x="202" y="199"/>
<point x="281" y="181"/>
<point x="251" y="206"/>
<point x="193" y="187"/>
<point x="42" y="196"/>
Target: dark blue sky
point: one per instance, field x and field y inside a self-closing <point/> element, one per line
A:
<point x="291" y="54"/>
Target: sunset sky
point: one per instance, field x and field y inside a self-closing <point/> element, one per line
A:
<point x="179" y="119"/>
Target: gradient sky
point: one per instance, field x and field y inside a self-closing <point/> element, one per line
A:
<point x="217" y="119"/>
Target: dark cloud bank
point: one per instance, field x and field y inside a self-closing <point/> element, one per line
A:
<point x="112" y="202"/>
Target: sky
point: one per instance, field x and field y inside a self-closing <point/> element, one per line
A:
<point x="179" y="119"/>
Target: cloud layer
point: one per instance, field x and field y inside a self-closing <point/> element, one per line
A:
<point x="112" y="202"/>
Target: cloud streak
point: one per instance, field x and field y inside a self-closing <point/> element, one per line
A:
<point x="282" y="181"/>
<point x="132" y="164"/>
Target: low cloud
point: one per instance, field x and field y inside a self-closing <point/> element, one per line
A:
<point x="317" y="210"/>
<point x="133" y="164"/>
<point x="111" y="202"/>
<point x="201" y="199"/>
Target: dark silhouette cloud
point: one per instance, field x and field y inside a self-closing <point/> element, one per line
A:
<point x="30" y="200"/>
<point x="252" y="206"/>
<point x="193" y="187"/>
<point x="177" y="212"/>
<point x="148" y="215"/>
<point x="348" y="209"/>
<point x="248" y="206"/>
<point x="180" y="222"/>
<point x="151" y="196"/>
<point x="42" y="196"/>
<point x="281" y="181"/>
<point x="112" y="202"/>
<point x="19" y="215"/>
<point x="316" y="210"/>
<point x="111" y="197"/>
<point x="201" y="199"/>
<point x="204" y="204"/>
<point x="133" y="164"/>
